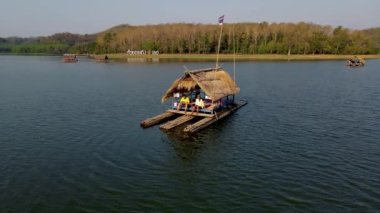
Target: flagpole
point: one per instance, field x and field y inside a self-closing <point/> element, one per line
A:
<point x="221" y="20"/>
<point x="220" y="38"/>
<point x="233" y="36"/>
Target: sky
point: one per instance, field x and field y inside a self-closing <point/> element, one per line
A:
<point x="28" y="18"/>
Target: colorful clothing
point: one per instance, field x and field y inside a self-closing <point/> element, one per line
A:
<point x="199" y="102"/>
<point x="185" y="100"/>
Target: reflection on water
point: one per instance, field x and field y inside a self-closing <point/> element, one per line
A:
<point x="142" y="60"/>
<point x="185" y="146"/>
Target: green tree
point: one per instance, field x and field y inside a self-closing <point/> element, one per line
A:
<point x="340" y="39"/>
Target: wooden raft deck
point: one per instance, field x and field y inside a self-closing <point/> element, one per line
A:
<point x="184" y="117"/>
<point x="209" y="120"/>
<point x="190" y="113"/>
<point x="156" y="119"/>
<point x="176" y="122"/>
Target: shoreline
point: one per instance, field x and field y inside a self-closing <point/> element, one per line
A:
<point x="212" y="57"/>
<point x="239" y="57"/>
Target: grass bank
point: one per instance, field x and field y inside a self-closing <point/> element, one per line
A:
<point x="240" y="57"/>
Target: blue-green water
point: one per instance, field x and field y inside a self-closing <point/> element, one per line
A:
<point x="70" y="140"/>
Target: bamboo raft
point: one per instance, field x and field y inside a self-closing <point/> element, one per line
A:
<point x="213" y="86"/>
<point x="355" y="62"/>
<point x="102" y="59"/>
<point x="206" y="120"/>
<point x="70" y="58"/>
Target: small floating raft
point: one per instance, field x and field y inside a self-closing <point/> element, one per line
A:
<point x="70" y="58"/>
<point x="102" y="59"/>
<point x="213" y="85"/>
<point x="355" y="62"/>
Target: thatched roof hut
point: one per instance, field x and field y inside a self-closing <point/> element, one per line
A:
<point x="215" y="82"/>
<point x="356" y="61"/>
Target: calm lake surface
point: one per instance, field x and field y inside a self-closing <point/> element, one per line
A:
<point x="308" y="140"/>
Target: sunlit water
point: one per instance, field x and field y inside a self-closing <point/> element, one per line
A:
<point x="309" y="139"/>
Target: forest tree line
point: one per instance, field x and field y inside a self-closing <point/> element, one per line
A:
<point x="182" y="38"/>
<point x="56" y="44"/>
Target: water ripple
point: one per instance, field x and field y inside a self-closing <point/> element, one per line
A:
<point x="71" y="141"/>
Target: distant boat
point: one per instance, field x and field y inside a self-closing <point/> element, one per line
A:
<point x="70" y="58"/>
<point x="355" y="62"/>
<point x="102" y="59"/>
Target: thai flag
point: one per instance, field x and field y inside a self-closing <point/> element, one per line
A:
<point x="221" y="20"/>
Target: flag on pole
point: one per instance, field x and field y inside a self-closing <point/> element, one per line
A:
<point x="221" y="20"/>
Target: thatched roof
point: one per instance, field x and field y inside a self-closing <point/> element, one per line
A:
<point x="216" y="83"/>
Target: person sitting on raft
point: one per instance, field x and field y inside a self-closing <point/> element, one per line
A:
<point x="198" y="104"/>
<point x="184" y="100"/>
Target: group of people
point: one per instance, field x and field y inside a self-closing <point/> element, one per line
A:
<point x="198" y="104"/>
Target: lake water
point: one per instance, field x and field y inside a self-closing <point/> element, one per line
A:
<point x="70" y="140"/>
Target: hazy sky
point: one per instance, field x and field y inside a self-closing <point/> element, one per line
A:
<point x="45" y="17"/>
